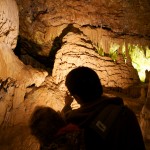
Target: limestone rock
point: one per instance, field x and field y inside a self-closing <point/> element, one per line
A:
<point x="78" y="50"/>
<point x="14" y="129"/>
<point x="9" y="22"/>
<point x="43" y="22"/>
<point x="64" y="34"/>
<point x="26" y="76"/>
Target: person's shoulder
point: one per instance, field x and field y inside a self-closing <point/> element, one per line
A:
<point x="112" y="100"/>
<point x="126" y="110"/>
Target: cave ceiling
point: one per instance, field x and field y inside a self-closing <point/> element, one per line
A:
<point x="44" y="23"/>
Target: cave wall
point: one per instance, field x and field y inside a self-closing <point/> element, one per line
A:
<point x="37" y="17"/>
<point x="17" y="83"/>
<point x="37" y="32"/>
<point x="44" y="24"/>
<point x="9" y="22"/>
<point x="77" y="50"/>
<point x="41" y="22"/>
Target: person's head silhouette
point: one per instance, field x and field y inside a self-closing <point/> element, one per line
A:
<point x="45" y="123"/>
<point x="84" y="84"/>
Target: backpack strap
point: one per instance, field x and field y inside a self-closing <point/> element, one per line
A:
<point x="103" y="122"/>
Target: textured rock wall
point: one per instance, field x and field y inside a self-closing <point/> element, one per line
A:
<point x="12" y="67"/>
<point x="42" y="21"/>
<point x="78" y="50"/>
<point x="42" y="26"/>
<point x="9" y="22"/>
<point x="115" y="15"/>
<point x="14" y="130"/>
<point x="17" y="82"/>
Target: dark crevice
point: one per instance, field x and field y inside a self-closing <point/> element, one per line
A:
<point x="118" y="34"/>
<point x="32" y="49"/>
<point x="83" y="46"/>
<point x="29" y="48"/>
<point x="31" y="86"/>
<point x="58" y="42"/>
<point x="105" y="27"/>
<point x="25" y="46"/>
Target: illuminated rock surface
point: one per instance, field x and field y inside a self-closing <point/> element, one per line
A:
<point x="9" y="23"/>
<point x="54" y="37"/>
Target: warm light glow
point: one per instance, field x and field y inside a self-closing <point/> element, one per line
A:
<point x="140" y="59"/>
<point x="113" y="52"/>
<point x="124" y="52"/>
<point x="140" y="56"/>
<point x="99" y="49"/>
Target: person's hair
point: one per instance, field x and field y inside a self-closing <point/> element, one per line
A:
<point x="85" y="83"/>
<point x="44" y="124"/>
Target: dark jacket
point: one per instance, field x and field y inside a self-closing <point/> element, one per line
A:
<point x="69" y="137"/>
<point x="123" y="132"/>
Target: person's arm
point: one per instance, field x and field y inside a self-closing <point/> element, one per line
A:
<point x="68" y="102"/>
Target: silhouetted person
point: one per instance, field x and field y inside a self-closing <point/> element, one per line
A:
<point x="52" y="132"/>
<point x="108" y="124"/>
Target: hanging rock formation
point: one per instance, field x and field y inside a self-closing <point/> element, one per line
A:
<point x="42" y="22"/>
<point x="41" y="41"/>
<point x="78" y="50"/>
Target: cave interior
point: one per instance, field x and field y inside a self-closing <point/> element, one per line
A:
<point x="41" y="41"/>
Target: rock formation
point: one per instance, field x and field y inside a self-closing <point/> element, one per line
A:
<point x="78" y="50"/>
<point x="41" y="41"/>
<point x="9" y="22"/>
<point x="17" y="83"/>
